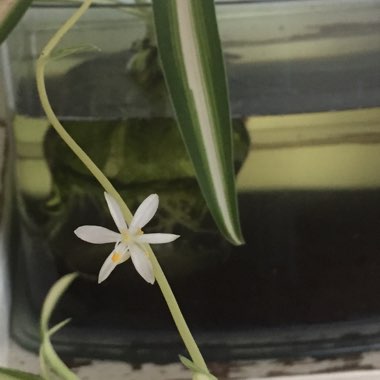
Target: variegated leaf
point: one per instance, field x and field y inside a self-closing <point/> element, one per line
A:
<point x="193" y="66"/>
<point x="11" y="12"/>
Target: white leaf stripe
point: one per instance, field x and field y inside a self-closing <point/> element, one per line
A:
<point x="196" y="82"/>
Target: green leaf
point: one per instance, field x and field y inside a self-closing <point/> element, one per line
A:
<point x="195" y="369"/>
<point x="12" y="374"/>
<point x="193" y="66"/>
<point x="51" y="363"/>
<point x="52" y="298"/>
<point x="49" y="360"/>
<point x="59" y="326"/>
<point x="11" y="12"/>
<point x="61" y="53"/>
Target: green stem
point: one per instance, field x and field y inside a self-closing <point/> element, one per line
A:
<point x="178" y="318"/>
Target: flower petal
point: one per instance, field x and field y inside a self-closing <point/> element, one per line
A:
<point x="156" y="238"/>
<point x="142" y="263"/>
<point x="111" y="262"/>
<point x="106" y="269"/>
<point x="116" y="213"/>
<point x="97" y="234"/>
<point x="144" y="213"/>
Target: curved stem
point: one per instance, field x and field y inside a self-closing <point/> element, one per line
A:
<point x="178" y="318"/>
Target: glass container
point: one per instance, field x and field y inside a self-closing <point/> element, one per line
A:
<point x="305" y="96"/>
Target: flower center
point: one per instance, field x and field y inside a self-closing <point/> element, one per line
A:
<point x="116" y="257"/>
<point x="127" y="237"/>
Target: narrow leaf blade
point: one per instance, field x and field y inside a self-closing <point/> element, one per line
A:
<point x="189" y="48"/>
<point x="49" y="360"/>
<point x="11" y="12"/>
<point x="59" y="326"/>
<point x="52" y="298"/>
<point x="13" y="374"/>
<point x="61" y="53"/>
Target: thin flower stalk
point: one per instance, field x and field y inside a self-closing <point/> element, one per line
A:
<point x="159" y="275"/>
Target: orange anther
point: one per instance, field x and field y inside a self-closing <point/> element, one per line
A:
<point x="116" y="257"/>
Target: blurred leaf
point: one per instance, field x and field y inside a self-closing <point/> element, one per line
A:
<point x="193" y="66"/>
<point x="59" y="326"/>
<point x="11" y="12"/>
<point x="49" y="360"/>
<point x="12" y="374"/>
<point x="61" y="53"/>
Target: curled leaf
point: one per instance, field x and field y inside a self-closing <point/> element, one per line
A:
<point x="49" y="360"/>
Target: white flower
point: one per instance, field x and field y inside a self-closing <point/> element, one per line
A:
<point x="129" y="241"/>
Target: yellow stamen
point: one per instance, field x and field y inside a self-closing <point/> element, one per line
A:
<point x="139" y="232"/>
<point x="116" y="257"/>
